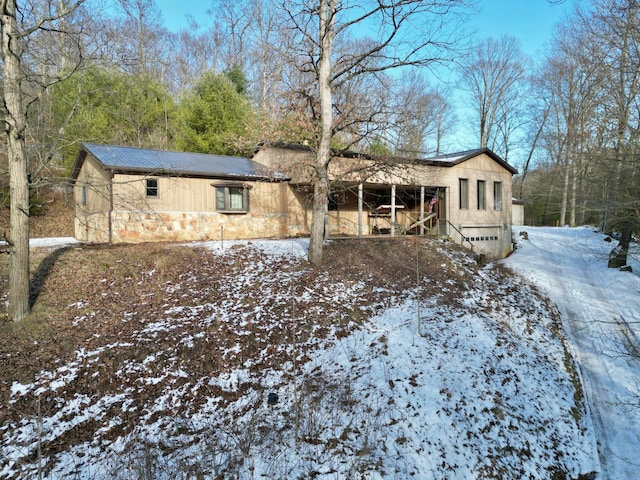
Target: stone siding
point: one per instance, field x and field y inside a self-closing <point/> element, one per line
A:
<point x="172" y="226"/>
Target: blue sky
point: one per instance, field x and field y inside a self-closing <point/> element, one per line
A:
<point x="531" y="21"/>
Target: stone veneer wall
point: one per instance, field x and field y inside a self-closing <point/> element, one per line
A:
<point x="93" y="228"/>
<point x="195" y="226"/>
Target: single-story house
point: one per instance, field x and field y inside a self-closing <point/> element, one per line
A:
<point x="125" y="194"/>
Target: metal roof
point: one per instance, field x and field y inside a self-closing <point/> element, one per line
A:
<point x="138" y="160"/>
<point x="445" y="160"/>
<point x="452" y="159"/>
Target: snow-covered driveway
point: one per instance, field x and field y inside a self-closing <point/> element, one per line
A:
<point x="601" y="316"/>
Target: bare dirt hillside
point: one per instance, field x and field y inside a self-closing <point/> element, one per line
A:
<point x="55" y="220"/>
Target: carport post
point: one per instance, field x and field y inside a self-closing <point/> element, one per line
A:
<point x="393" y="210"/>
<point x="360" y="201"/>
<point x="422" y="211"/>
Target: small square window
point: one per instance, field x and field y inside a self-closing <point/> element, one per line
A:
<point x="152" y="187"/>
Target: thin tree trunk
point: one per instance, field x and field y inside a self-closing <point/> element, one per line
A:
<point x="18" y="181"/>
<point x="574" y="193"/>
<point x="525" y="169"/>
<point x="565" y="194"/>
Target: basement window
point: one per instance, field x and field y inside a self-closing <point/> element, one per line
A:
<point x="232" y="198"/>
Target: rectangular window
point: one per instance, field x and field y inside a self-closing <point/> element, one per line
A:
<point x="231" y="198"/>
<point x="84" y="195"/>
<point x="482" y="195"/>
<point x="152" y="187"/>
<point x="464" y="194"/>
<point x="236" y="198"/>
<point x="220" y="198"/>
<point x="497" y="195"/>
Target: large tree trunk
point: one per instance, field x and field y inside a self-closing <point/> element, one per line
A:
<point x="18" y="182"/>
<point x="321" y="180"/>
<point x="318" y="217"/>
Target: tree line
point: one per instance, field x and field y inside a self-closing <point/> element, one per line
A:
<point x="357" y="75"/>
<point x="584" y="132"/>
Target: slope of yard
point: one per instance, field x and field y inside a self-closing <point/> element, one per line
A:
<point x="198" y="361"/>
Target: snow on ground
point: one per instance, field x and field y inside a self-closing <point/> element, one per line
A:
<point x="481" y="390"/>
<point x="52" y="242"/>
<point x="49" y="242"/>
<point x="600" y="309"/>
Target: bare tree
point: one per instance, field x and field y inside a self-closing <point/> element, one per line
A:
<point x="422" y="117"/>
<point x="570" y="89"/>
<point x="404" y="33"/>
<point x="20" y="86"/>
<point x="614" y="25"/>
<point x="139" y="44"/>
<point x="492" y="75"/>
<point x="592" y="117"/>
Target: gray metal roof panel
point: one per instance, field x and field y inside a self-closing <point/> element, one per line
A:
<point x="453" y="159"/>
<point x="130" y="159"/>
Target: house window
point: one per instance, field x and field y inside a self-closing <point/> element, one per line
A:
<point x="152" y="187"/>
<point x="497" y="195"/>
<point x="232" y="198"/>
<point x="84" y="195"/>
<point x="464" y="193"/>
<point x="482" y="195"/>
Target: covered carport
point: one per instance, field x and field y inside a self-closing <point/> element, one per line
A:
<point x="378" y="209"/>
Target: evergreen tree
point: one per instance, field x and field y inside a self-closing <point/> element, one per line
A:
<point x="113" y="108"/>
<point x="216" y="117"/>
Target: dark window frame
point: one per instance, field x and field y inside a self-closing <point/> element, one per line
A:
<point x="482" y="194"/>
<point x="152" y="187"/>
<point x="226" y="195"/>
<point x="463" y="198"/>
<point x="497" y="195"/>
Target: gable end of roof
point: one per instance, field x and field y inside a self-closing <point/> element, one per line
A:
<point x="453" y="159"/>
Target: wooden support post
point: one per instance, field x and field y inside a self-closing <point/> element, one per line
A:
<point x="422" y="211"/>
<point x="360" y="202"/>
<point x="393" y="210"/>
